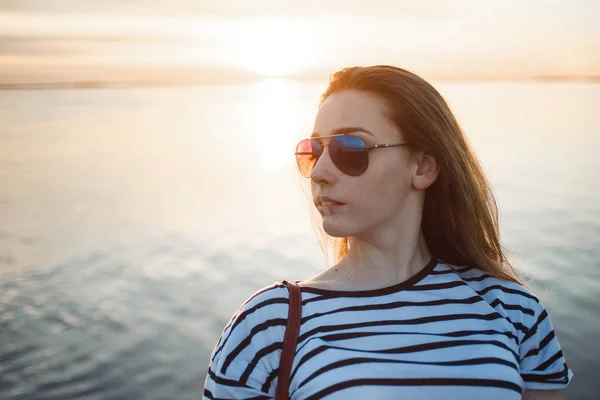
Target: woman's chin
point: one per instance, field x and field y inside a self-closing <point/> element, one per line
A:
<point x="334" y="230"/>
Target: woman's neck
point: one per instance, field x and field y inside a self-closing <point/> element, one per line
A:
<point x="376" y="264"/>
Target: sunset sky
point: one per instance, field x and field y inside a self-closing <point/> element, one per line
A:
<point x="70" y="40"/>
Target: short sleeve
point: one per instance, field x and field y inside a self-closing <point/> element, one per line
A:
<point x="243" y="364"/>
<point x="542" y="365"/>
<point x="230" y="383"/>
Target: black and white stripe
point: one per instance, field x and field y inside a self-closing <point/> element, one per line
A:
<point x="449" y="331"/>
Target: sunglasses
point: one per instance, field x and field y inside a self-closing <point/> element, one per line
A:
<point x="350" y="154"/>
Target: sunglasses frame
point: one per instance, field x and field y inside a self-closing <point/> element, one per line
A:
<point x="376" y="146"/>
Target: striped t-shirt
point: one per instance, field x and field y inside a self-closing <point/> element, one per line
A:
<point x="448" y="332"/>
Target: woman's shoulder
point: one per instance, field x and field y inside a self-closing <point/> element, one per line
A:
<point x="264" y="308"/>
<point x="275" y="291"/>
<point x="484" y="282"/>
<point x="269" y="301"/>
<point x="245" y="354"/>
<point x="260" y="319"/>
<point x="512" y="299"/>
<point x="541" y="361"/>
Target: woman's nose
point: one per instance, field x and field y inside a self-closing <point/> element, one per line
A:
<point x="324" y="170"/>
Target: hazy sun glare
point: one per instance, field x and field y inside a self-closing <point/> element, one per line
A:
<point x="461" y="39"/>
<point x="278" y="116"/>
<point x="274" y="48"/>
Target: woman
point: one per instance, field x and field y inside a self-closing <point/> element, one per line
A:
<point x="421" y="302"/>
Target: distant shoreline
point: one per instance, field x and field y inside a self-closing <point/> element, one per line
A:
<point x="115" y="85"/>
<point x="175" y="83"/>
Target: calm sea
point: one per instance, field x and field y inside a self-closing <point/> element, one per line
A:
<point x="134" y="222"/>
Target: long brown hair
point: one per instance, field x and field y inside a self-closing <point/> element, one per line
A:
<point x="460" y="215"/>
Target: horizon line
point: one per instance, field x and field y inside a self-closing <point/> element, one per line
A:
<point x="108" y="84"/>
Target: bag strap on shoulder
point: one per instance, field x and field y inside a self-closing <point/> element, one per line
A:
<point x="290" y="339"/>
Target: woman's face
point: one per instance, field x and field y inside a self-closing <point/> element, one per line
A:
<point x="377" y="197"/>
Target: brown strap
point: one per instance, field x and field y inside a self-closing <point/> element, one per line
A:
<point x="289" y="341"/>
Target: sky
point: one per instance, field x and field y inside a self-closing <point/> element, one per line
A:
<point x="71" y="40"/>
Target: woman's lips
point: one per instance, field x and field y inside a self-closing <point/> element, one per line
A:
<point x="329" y="207"/>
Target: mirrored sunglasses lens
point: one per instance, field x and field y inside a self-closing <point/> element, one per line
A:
<point x="306" y="157"/>
<point x="350" y="155"/>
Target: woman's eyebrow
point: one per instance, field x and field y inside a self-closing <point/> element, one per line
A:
<point x="345" y="130"/>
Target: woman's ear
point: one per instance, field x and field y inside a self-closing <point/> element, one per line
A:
<point x="426" y="171"/>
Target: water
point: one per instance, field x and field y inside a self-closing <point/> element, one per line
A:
<point x="134" y="222"/>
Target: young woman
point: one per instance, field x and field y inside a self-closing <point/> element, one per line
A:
<point x="421" y="302"/>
